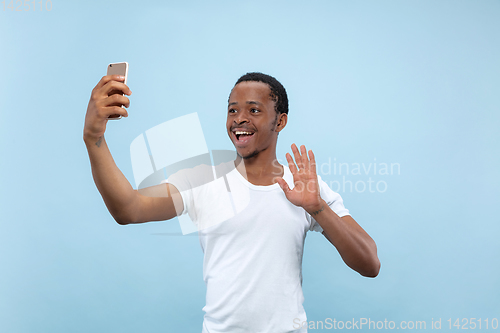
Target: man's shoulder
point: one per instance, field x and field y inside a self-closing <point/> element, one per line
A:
<point x="199" y="175"/>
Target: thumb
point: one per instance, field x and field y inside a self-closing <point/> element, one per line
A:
<point x="284" y="186"/>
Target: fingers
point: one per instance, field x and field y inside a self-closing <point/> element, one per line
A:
<point x="111" y="106"/>
<point x="301" y="157"/>
<point x="105" y="79"/>
<point x="303" y="154"/>
<point x="312" y="159"/>
<point x="116" y="100"/>
<point x="109" y="83"/>
<point x="115" y="87"/>
<point x="305" y="160"/>
<point x="298" y="158"/>
<point x="115" y="110"/>
<point x="291" y="164"/>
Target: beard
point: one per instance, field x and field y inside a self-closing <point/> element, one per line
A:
<point x="250" y="155"/>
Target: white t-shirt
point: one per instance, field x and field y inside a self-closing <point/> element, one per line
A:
<point x="253" y="255"/>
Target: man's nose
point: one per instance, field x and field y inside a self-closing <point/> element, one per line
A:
<point x="241" y="118"/>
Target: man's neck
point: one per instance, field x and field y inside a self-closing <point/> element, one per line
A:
<point x="260" y="171"/>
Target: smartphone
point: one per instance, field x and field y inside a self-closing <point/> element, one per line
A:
<point x="118" y="68"/>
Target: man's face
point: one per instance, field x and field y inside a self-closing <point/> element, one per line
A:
<point x="252" y="122"/>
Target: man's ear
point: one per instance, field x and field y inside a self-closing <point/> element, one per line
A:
<point x="281" y="123"/>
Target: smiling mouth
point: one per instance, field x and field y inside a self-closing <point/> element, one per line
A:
<point x="242" y="137"/>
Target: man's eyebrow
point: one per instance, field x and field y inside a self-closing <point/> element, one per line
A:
<point x="248" y="102"/>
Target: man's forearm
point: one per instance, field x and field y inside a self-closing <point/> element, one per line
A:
<point x="115" y="189"/>
<point x="355" y="246"/>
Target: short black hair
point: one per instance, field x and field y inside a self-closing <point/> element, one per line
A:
<point x="278" y="92"/>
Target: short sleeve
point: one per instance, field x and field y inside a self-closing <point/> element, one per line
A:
<point x="182" y="184"/>
<point x="190" y="183"/>
<point x="333" y="199"/>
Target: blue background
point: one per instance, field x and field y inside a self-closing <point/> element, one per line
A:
<point x="408" y="82"/>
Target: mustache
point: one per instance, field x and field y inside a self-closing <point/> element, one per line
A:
<point x="243" y="128"/>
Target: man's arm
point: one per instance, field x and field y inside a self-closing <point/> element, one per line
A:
<point x="125" y="204"/>
<point x="355" y="246"/>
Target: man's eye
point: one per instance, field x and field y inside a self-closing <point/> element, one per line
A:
<point x="254" y="111"/>
<point x="232" y="111"/>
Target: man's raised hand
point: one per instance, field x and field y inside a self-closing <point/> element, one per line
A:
<point x="102" y="105"/>
<point x="306" y="187"/>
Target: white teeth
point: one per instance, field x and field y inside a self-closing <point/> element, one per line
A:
<point x="240" y="132"/>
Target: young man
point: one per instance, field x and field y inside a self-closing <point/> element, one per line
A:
<point x="252" y="260"/>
